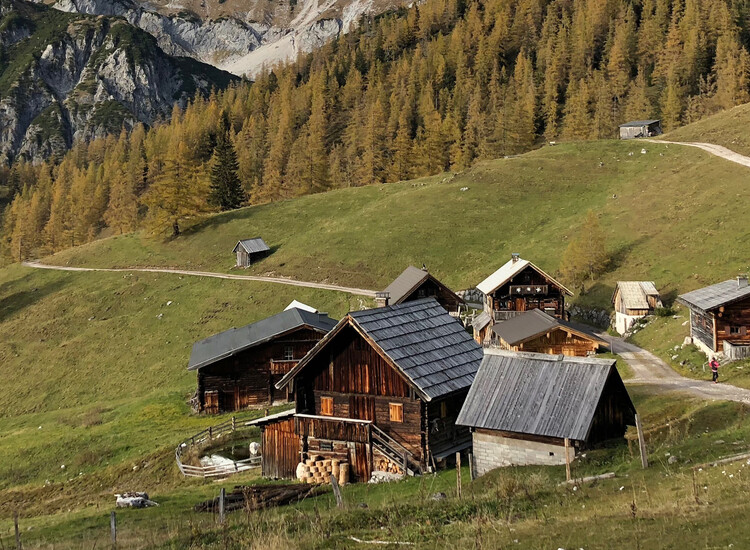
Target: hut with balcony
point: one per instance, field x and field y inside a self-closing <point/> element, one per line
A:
<point x="238" y="368"/>
<point x="415" y="283"/>
<point x="531" y="408"/>
<point x="517" y="286"/>
<point x="720" y="317"/>
<point x="381" y="392"/>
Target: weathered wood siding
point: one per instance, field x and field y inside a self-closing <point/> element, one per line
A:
<point x="553" y="301"/>
<point x="362" y="385"/>
<point x="733" y="323"/>
<point x="247" y="379"/>
<point x="613" y="413"/>
<point x="442" y="431"/>
<point x="702" y="328"/>
<point x="430" y="288"/>
<point x="556" y="342"/>
<point x="280" y="449"/>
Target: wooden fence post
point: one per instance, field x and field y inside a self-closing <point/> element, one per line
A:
<point x="222" y="495"/>
<point x="472" y="475"/>
<point x="210" y="432"/>
<point x="567" y="459"/>
<point x="641" y="441"/>
<point x="406" y="464"/>
<point x="337" y="492"/>
<point x="18" y="532"/>
<point x="458" y="475"/>
<point x="234" y="424"/>
<point x="113" y="528"/>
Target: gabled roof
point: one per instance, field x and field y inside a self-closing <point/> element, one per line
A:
<point x="638" y="123"/>
<point x="419" y="339"/>
<point x="532" y="393"/>
<point x="406" y="283"/>
<point x="531" y="324"/>
<point x="481" y="320"/>
<point x="252" y="246"/>
<point x="634" y="294"/>
<point x="299" y="305"/>
<point x="510" y="270"/>
<point x="230" y="342"/>
<point x="714" y="296"/>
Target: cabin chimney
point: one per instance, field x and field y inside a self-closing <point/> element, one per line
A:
<point x="382" y="298"/>
<point x="515" y="256"/>
<point x="741" y="281"/>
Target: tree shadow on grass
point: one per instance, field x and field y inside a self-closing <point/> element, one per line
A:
<point x="15" y="302"/>
<point x="619" y="256"/>
<point x="217" y="220"/>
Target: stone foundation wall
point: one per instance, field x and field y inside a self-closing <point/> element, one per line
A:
<point x="496" y="451"/>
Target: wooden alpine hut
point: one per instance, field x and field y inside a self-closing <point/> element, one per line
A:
<point x="633" y="300"/>
<point x="250" y="250"/>
<point x="415" y="283"/>
<point x="381" y="392"/>
<point x="530" y="408"/>
<point x="238" y="368"/>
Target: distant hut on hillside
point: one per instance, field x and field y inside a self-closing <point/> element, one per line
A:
<point x="633" y="300"/>
<point x="640" y="128"/>
<point x="250" y="250"/>
<point x="535" y="331"/>
<point x="415" y="283"/>
<point x="522" y="407"/>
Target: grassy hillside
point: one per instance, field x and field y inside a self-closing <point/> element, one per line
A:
<point x="94" y="364"/>
<point x="663" y="223"/>
<point x="727" y="128"/>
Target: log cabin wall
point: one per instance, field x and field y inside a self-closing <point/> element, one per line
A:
<point x="552" y="301"/>
<point x="247" y="379"/>
<point x="613" y="413"/>
<point x="442" y="431"/>
<point x="280" y="449"/>
<point x="556" y="342"/>
<point x="732" y="323"/>
<point x="702" y="328"/>
<point x="363" y="386"/>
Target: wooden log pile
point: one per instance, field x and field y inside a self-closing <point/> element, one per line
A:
<point x="317" y="470"/>
<point x="383" y="464"/>
<point x="256" y="497"/>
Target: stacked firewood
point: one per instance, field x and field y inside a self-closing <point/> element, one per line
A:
<point x="259" y="496"/>
<point x="317" y="469"/>
<point x="383" y="464"/>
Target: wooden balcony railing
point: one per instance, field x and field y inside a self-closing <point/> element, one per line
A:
<point x="333" y="428"/>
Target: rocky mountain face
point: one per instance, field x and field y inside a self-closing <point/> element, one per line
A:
<point x="240" y="36"/>
<point x="70" y="76"/>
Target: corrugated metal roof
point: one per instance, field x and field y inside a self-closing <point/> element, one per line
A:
<point x="404" y="284"/>
<point x="634" y="294"/>
<point x="481" y="320"/>
<point x="535" y="322"/>
<point x="637" y="123"/>
<point x="421" y="339"/>
<point x="232" y="341"/>
<point x="252" y="246"/>
<point x="509" y="270"/>
<point x="717" y="295"/>
<point x="531" y="393"/>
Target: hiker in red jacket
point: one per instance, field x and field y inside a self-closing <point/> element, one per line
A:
<point x="714" y="370"/>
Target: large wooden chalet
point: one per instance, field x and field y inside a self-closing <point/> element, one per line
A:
<point x="523" y="407"/>
<point x="537" y="332"/>
<point x="415" y="283"/>
<point x="385" y="383"/>
<point x="238" y="368"/>
<point x="720" y="316"/>
<point x="516" y="287"/>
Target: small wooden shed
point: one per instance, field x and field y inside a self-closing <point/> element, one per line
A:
<point x="250" y="250"/>
<point x="535" y="331"/>
<point x="633" y="300"/>
<point x="415" y="283"/>
<point x="640" y="128"/>
<point x="522" y="407"/>
<point x="720" y="314"/>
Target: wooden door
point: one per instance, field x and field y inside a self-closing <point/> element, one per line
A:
<point x="280" y="447"/>
<point x="520" y="304"/>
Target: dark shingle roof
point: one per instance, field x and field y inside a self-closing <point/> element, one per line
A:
<point x="532" y="393"/>
<point x="714" y="296"/>
<point x="638" y="123"/>
<point x="404" y="284"/>
<point x="228" y="343"/>
<point x="252" y="246"/>
<point x="422" y="340"/>
<point x="481" y="320"/>
<point x="532" y="323"/>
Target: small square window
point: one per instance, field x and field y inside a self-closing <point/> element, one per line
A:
<point x="326" y="406"/>
<point x="288" y="353"/>
<point x="326" y="446"/>
<point x="397" y="412"/>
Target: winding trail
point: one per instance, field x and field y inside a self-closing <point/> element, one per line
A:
<point x="651" y="370"/>
<point x="275" y="280"/>
<point x="716" y="150"/>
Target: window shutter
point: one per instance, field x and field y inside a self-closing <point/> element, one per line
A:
<point x="397" y="412"/>
<point x="326" y="406"/>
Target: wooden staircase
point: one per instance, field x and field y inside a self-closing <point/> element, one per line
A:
<point x="395" y="452"/>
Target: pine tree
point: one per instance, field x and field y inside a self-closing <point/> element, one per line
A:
<point x="226" y="191"/>
<point x="586" y="256"/>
